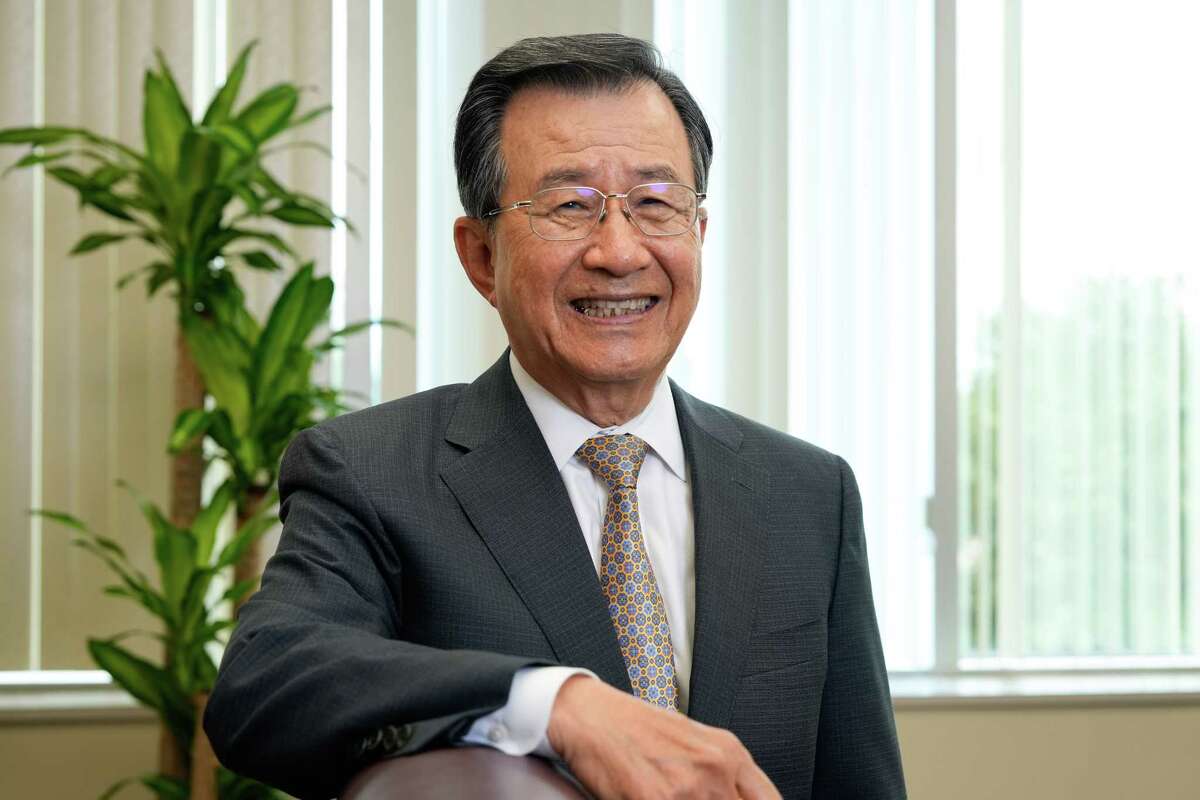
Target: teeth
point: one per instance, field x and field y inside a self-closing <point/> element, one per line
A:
<point x="612" y="308"/>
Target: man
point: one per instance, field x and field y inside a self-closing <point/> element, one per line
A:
<point x="571" y="556"/>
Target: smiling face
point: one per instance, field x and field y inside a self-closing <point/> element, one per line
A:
<point x="595" y="320"/>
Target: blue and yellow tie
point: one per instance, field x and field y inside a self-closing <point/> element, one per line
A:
<point x="626" y="575"/>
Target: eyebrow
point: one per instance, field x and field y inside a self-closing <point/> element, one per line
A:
<point x="575" y="177"/>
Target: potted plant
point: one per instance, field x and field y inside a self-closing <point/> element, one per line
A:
<point x="196" y="194"/>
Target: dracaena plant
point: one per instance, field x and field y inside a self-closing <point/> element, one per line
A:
<point x="198" y="194"/>
<point x="197" y="191"/>
<point x="260" y="380"/>
<point x="188" y="562"/>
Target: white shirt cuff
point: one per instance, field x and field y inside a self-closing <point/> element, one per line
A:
<point x="519" y="727"/>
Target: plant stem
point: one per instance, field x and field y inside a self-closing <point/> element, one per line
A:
<point x="187" y="471"/>
<point x="172" y="761"/>
<point x="204" y="761"/>
<point x="250" y="565"/>
<point x="187" y="468"/>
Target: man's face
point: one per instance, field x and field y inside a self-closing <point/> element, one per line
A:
<point x="610" y="141"/>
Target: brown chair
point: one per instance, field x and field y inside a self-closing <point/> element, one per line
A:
<point x="462" y="772"/>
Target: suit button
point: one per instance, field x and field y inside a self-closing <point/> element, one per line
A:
<point x="405" y="734"/>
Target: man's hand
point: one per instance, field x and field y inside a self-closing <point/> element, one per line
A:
<point x="623" y="747"/>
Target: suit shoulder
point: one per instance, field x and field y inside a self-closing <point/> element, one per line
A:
<point x="770" y="448"/>
<point x="418" y="415"/>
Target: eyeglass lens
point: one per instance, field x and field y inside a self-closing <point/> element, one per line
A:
<point x="658" y="209"/>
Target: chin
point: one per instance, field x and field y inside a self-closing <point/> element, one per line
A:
<point x="620" y="369"/>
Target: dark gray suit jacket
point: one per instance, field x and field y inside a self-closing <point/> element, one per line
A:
<point x="430" y="550"/>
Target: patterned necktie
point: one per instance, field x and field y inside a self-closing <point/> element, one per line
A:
<point x="626" y="576"/>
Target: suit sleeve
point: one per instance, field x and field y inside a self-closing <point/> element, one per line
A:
<point x="316" y="682"/>
<point x="858" y="755"/>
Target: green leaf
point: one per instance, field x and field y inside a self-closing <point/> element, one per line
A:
<point x="114" y="790"/>
<point x="63" y="519"/>
<point x="260" y="260"/>
<point x="36" y="136"/>
<point x="295" y="214"/>
<point x="238" y="590"/>
<point x="303" y="302"/>
<point x="268" y="114"/>
<point x="249" y="533"/>
<point x="71" y="177"/>
<point x="35" y="158"/>
<point x="221" y="431"/>
<point x="106" y="175"/>
<point x="166" y="787"/>
<point x="147" y="683"/>
<point x="309" y="116"/>
<point x="207" y="212"/>
<point x="133" y="275"/>
<point x="199" y="158"/>
<point x="222" y="103"/>
<point x="137" y="583"/>
<point x="235" y="787"/>
<point x="164" y="71"/>
<point x="164" y="121"/>
<point x="204" y="527"/>
<point x="94" y="241"/>
<point x="161" y="274"/>
<point x="223" y="360"/>
<point x="69" y="521"/>
<point x="272" y="187"/>
<point x="233" y="136"/>
<point x="107" y="202"/>
<point x="174" y="549"/>
<point x="251" y="199"/>
<point x="190" y="426"/>
<point x="115" y="559"/>
<point x="231" y="235"/>
<point x="139" y="677"/>
<point x="334" y="339"/>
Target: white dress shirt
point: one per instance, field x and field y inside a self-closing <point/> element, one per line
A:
<point x="665" y="507"/>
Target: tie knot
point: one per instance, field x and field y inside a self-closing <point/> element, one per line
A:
<point x="615" y="457"/>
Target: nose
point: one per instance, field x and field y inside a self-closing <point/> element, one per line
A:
<point x="616" y="244"/>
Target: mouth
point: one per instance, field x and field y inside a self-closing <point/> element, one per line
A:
<point x="599" y="308"/>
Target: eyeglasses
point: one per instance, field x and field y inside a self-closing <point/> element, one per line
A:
<point x="571" y="212"/>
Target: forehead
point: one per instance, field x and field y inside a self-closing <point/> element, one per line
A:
<point x="607" y="139"/>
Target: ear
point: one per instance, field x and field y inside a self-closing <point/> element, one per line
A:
<point x="703" y="223"/>
<point x="473" y="242"/>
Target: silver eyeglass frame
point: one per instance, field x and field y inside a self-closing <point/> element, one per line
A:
<point x="604" y="198"/>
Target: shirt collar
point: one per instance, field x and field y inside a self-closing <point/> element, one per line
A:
<point x="564" y="430"/>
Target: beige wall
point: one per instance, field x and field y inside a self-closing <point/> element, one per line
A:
<point x="1051" y="753"/>
<point x="1023" y="753"/>
<point x="73" y="760"/>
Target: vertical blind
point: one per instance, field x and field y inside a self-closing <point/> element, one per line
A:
<point x="1079" y="305"/>
<point x="861" y="271"/>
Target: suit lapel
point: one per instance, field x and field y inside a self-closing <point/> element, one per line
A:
<point x="515" y="498"/>
<point x="727" y="497"/>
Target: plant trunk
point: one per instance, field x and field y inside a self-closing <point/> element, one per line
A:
<point x="172" y="761"/>
<point x="187" y="468"/>
<point x="251" y="563"/>
<point x="204" y="761"/>
<point x="187" y="471"/>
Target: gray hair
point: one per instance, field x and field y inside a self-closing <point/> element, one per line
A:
<point x="579" y="64"/>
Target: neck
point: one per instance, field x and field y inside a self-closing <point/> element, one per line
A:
<point x="606" y="403"/>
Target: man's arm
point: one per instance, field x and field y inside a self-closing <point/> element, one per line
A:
<point x="858" y="754"/>
<point x="315" y="683"/>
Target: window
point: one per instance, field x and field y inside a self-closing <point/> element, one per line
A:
<point x="1079" y="329"/>
<point x="952" y="242"/>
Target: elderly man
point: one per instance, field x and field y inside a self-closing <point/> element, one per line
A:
<point x="571" y="556"/>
